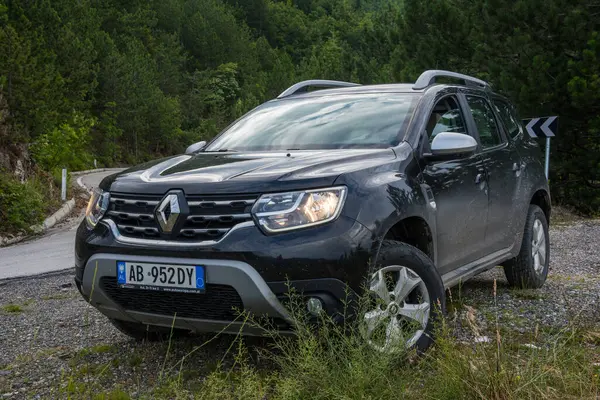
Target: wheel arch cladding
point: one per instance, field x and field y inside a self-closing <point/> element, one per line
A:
<point x="413" y="231"/>
<point x="541" y="198"/>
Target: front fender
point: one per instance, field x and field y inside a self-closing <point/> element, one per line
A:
<point x="380" y="199"/>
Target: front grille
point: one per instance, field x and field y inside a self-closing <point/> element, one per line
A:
<point x="210" y="218"/>
<point x="219" y="302"/>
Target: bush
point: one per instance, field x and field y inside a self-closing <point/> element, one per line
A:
<point x="21" y="204"/>
<point x="65" y="146"/>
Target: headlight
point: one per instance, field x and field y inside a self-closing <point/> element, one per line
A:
<point x="281" y="212"/>
<point x="97" y="207"/>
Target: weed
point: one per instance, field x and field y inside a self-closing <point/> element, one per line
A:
<point x="591" y="336"/>
<point x="454" y="303"/>
<point x="73" y="387"/>
<point x="98" y="349"/>
<point x="62" y="296"/>
<point x="116" y="394"/>
<point x="135" y="360"/>
<point x="102" y="348"/>
<point x="527" y="294"/>
<point x="13" y="308"/>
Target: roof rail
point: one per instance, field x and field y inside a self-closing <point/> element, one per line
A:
<point x="428" y="78"/>
<point x="302" y="87"/>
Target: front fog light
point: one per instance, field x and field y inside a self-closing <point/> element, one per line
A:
<point x="281" y="212"/>
<point x="96" y="207"/>
<point x="314" y="305"/>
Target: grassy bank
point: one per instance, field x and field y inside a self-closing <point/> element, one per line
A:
<point x="23" y="204"/>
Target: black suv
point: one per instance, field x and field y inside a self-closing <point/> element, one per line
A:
<point x="400" y="190"/>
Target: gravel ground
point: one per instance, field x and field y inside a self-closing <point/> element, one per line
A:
<point x="52" y="342"/>
<point x="571" y="294"/>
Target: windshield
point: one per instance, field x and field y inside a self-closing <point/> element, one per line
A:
<point x="328" y="122"/>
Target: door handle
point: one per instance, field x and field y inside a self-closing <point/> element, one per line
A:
<point x="479" y="178"/>
<point x="482" y="175"/>
<point x="518" y="168"/>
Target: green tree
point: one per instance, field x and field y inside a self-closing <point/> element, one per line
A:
<point x="66" y="146"/>
<point x="156" y="75"/>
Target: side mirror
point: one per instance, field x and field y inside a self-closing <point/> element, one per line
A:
<point x="195" y="147"/>
<point x="452" y="144"/>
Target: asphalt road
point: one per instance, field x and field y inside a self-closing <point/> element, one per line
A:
<point x="51" y="252"/>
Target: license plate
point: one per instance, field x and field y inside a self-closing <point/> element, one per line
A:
<point x="164" y="277"/>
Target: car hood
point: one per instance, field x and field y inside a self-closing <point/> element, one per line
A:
<point x="244" y="172"/>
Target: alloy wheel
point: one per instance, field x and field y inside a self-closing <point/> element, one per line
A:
<point x="538" y="247"/>
<point x="402" y="309"/>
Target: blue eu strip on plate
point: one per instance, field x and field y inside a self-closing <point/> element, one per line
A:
<point x="199" y="277"/>
<point x="121" y="272"/>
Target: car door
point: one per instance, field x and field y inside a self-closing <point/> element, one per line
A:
<point x="503" y="165"/>
<point x="459" y="190"/>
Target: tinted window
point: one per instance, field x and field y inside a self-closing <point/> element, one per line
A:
<point x="485" y="121"/>
<point x="328" y="122"/>
<point x="445" y="117"/>
<point x="508" y="117"/>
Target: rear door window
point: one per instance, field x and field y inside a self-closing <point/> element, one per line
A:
<point x="489" y="134"/>
<point x="509" y="118"/>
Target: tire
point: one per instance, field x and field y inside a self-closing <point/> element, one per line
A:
<point x="521" y="271"/>
<point x="401" y="259"/>
<point x="140" y="332"/>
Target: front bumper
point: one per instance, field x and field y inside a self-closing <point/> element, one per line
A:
<point x="329" y="262"/>
<point x="256" y="294"/>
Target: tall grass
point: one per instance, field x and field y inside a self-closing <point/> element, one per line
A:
<point x="329" y="360"/>
<point x="332" y="361"/>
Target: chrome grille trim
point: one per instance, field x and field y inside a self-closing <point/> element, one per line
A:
<point x="118" y="214"/>
<point x="198" y="230"/>
<point x="119" y="200"/>
<point x="142" y="229"/>
<point x="167" y="243"/>
<point x="220" y="203"/>
<point x="217" y="217"/>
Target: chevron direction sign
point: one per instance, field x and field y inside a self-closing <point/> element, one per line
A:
<point x="543" y="127"/>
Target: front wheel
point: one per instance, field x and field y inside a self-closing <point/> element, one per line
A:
<point x="407" y="297"/>
<point x="530" y="268"/>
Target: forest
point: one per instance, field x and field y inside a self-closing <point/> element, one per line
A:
<point x="124" y="81"/>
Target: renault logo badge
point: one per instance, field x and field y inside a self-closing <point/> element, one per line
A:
<point x="168" y="212"/>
